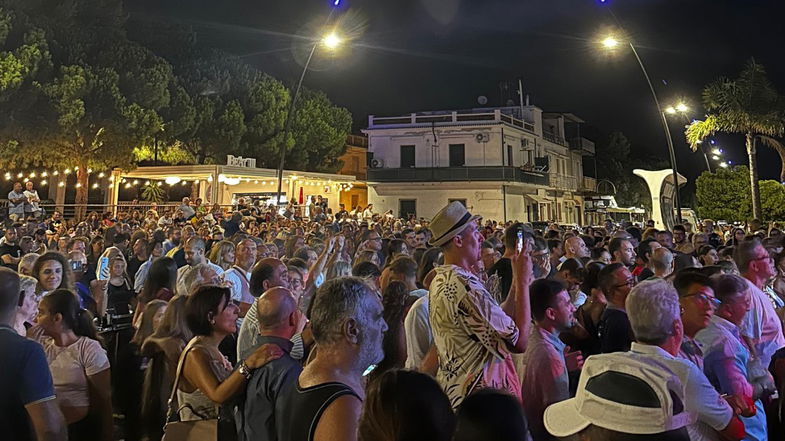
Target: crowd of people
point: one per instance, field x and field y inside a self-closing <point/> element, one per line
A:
<point x="312" y="325"/>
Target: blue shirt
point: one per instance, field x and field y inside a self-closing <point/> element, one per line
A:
<point x="725" y="359"/>
<point x="25" y="380"/>
<point x="261" y="404"/>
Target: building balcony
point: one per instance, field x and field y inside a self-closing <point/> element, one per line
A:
<point x="554" y="138"/>
<point x="589" y="184"/>
<point x="583" y="145"/>
<point x="563" y="182"/>
<point x="452" y="174"/>
<point x="465" y="117"/>
<point x="357" y="141"/>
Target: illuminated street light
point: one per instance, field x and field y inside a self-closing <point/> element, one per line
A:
<point x="724" y="164"/>
<point x="716" y="151"/>
<point x="715" y="157"/>
<point x="332" y="41"/>
<point x="611" y="43"/>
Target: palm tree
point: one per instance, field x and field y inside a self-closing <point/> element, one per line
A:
<point x="748" y="105"/>
<point x="779" y="147"/>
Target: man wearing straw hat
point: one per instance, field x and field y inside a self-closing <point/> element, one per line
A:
<point x="473" y="334"/>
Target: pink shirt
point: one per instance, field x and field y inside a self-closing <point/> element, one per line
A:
<point x="71" y="365"/>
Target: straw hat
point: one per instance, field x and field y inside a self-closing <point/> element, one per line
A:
<point x="449" y="222"/>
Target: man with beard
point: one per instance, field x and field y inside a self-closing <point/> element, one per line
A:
<point x="547" y="359"/>
<point x="622" y="251"/>
<point x="326" y="400"/>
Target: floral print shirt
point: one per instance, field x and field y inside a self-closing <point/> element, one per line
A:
<point x="472" y="334"/>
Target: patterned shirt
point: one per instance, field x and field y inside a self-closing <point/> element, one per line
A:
<point x="471" y="333"/>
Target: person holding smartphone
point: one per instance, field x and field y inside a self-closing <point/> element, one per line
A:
<point x="513" y="239"/>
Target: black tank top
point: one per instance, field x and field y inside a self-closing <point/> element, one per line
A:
<point x="303" y="407"/>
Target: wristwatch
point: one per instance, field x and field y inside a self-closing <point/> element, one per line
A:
<point x="244" y="370"/>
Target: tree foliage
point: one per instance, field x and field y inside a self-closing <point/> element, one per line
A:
<point x="724" y="194"/>
<point x="616" y="161"/>
<point x="82" y="86"/>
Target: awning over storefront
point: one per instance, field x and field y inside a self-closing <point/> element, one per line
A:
<point x="539" y="199"/>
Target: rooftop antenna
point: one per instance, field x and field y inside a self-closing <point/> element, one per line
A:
<point x="520" y="94"/>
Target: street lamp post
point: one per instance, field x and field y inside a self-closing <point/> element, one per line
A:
<point x="611" y="43"/>
<point x="330" y="41"/>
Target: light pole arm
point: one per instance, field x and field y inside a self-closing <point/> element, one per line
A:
<point x="287" y="125"/>
<point x="667" y="134"/>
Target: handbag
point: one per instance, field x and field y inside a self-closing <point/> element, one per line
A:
<point x="176" y="430"/>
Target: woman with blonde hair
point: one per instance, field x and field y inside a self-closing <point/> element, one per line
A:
<point x="222" y="254"/>
<point x="28" y="305"/>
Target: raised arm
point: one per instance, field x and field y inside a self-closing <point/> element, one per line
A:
<point x="517" y="305"/>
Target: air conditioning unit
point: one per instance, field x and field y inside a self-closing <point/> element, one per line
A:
<point x="482" y="137"/>
<point x="377" y="163"/>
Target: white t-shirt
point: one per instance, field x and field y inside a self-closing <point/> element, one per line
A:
<point x="419" y="338"/>
<point x="32" y="206"/>
<point x="71" y="365"/>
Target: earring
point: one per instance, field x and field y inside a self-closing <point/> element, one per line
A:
<point x="212" y="322"/>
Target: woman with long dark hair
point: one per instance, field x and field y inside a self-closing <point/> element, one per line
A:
<point x="406" y="405"/>
<point x="396" y="301"/>
<point x="131" y="366"/>
<point x="162" y="350"/>
<point x="79" y="365"/>
<point x="159" y="284"/>
<point x="208" y="379"/>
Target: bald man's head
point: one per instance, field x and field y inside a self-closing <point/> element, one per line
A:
<point x="575" y="247"/>
<point x="277" y="310"/>
<point x="9" y="295"/>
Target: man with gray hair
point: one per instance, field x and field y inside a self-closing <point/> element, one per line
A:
<point x="761" y="324"/>
<point x="661" y="262"/>
<point x="326" y="400"/>
<point x="654" y="312"/>
<point x="194" y="255"/>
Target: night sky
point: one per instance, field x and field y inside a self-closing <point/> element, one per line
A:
<point x="412" y="55"/>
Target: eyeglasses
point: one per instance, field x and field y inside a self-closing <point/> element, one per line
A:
<point x="706" y="300"/>
<point x="766" y="257"/>
<point x="630" y="282"/>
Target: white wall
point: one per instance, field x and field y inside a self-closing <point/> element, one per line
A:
<point x="487" y="201"/>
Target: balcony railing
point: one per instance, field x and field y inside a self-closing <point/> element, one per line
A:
<point x="448" y="174"/>
<point x="552" y="137"/>
<point x="357" y="141"/>
<point x="563" y="182"/>
<point x="448" y="117"/>
<point x="584" y="145"/>
<point x="589" y="184"/>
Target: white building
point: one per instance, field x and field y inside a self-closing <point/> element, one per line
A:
<point x="509" y="163"/>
